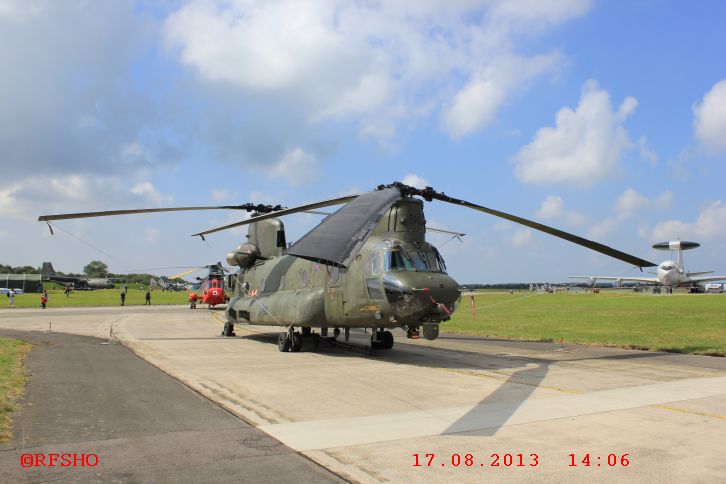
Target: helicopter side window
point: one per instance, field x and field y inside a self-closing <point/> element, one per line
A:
<point x="397" y="260"/>
<point x="375" y="289"/>
<point x="373" y="265"/>
<point x="334" y="274"/>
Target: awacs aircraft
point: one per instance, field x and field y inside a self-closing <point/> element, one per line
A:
<point x="670" y="273"/>
<point x="368" y="265"/>
<point x="78" y="282"/>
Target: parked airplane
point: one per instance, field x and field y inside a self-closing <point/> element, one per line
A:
<point x="165" y="285"/>
<point x="78" y="282"/>
<point x="670" y="273"/>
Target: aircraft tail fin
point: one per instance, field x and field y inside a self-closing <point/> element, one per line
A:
<point x="47" y="269"/>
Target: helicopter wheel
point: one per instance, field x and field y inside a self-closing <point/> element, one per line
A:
<point x="283" y="342"/>
<point x="297" y="342"/>
<point x="386" y="338"/>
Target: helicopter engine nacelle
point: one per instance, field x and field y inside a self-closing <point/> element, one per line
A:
<point x="244" y="256"/>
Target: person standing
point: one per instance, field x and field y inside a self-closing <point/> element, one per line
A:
<point x="148" y="298"/>
<point x="11" y="295"/>
<point x="44" y="299"/>
<point x="123" y="298"/>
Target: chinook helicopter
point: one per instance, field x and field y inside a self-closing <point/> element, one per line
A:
<point x="367" y="265"/>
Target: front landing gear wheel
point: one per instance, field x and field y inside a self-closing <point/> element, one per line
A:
<point x="297" y="341"/>
<point x="228" y="329"/>
<point x="283" y="342"/>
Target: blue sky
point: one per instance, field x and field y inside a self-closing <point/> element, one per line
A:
<point x="606" y="119"/>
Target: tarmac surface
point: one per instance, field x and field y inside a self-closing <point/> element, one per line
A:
<point x="634" y="415"/>
<point x="134" y="422"/>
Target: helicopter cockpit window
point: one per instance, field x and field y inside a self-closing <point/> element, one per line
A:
<point x="442" y="264"/>
<point x="397" y="260"/>
<point x="373" y="265"/>
<point x="420" y="262"/>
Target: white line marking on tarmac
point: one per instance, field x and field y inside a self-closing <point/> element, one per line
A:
<point x="323" y="434"/>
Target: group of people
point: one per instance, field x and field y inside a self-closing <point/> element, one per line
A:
<point x="126" y="289"/>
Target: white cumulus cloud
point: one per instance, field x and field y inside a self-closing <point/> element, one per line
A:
<point x="553" y="208"/>
<point x="709" y="225"/>
<point x="378" y="64"/>
<point x="710" y="119"/>
<point x="522" y="237"/>
<point x="626" y="206"/>
<point x="415" y="181"/>
<point x="296" y="167"/>
<point x="584" y="147"/>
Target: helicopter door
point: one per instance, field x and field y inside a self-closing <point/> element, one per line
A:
<point x="336" y="303"/>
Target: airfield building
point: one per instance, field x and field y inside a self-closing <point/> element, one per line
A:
<point x="26" y="282"/>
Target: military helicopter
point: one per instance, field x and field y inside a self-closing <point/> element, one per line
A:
<point x="367" y="265"/>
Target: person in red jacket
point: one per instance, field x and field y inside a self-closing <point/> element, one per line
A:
<point x="193" y="300"/>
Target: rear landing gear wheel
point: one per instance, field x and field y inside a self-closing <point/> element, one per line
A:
<point x="386" y="339"/>
<point x="382" y="340"/>
<point x="297" y="342"/>
<point x="283" y="342"/>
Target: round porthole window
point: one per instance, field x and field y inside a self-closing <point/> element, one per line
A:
<point x="334" y="274"/>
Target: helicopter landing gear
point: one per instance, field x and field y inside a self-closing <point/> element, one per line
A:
<point x="289" y="340"/>
<point x="228" y="329"/>
<point x="297" y="342"/>
<point x="382" y="340"/>
<point x="283" y="342"/>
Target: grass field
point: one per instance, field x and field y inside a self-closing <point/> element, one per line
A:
<point x="100" y="297"/>
<point x="12" y="380"/>
<point x="676" y="323"/>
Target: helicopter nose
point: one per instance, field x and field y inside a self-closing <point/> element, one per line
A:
<point x="415" y="296"/>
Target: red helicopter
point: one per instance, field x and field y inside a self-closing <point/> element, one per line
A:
<point x="212" y="288"/>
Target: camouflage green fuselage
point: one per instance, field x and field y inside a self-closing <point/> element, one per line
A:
<point x="397" y="279"/>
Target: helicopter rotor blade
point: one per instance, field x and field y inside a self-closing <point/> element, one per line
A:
<point x="279" y="213"/>
<point x="339" y="237"/>
<point x="430" y="194"/>
<point x="177" y="276"/>
<point x="106" y="213"/>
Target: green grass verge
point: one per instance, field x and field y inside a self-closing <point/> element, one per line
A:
<point x="99" y="297"/>
<point x="12" y="381"/>
<point x="677" y="323"/>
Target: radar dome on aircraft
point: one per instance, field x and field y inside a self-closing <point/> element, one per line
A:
<point x="676" y="245"/>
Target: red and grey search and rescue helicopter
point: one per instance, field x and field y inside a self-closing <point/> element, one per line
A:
<point x="368" y="265"/>
<point x="212" y="286"/>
